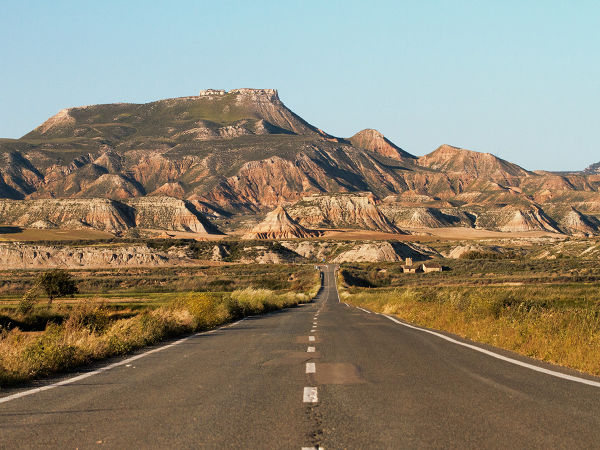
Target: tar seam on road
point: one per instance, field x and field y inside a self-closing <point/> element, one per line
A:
<point x="501" y="357"/>
<point x="110" y="366"/>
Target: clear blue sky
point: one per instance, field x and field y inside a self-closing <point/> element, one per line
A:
<point x="520" y="79"/>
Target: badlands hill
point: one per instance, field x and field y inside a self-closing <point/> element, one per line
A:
<point x="226" y="154"/>
<point x="279" y="225"/>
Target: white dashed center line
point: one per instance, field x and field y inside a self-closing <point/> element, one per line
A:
<point x="311" y="338"/>
<point x="311" y="368"/>
<point x="310" y="395"/>
<point x="310" y="349"/>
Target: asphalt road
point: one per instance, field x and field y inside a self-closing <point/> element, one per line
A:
<point x="369" y="383"/>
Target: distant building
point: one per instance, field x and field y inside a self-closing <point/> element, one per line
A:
<point x="431" y="267"/>
<point x="409" y="267"/>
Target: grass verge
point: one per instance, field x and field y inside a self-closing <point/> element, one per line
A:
<point x="557" y="324"/>
<point x="89" y="333"/>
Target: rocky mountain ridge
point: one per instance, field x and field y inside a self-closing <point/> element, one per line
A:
<point x="244" y="152"/>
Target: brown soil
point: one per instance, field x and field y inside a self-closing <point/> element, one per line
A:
<point x="32" y="234"/>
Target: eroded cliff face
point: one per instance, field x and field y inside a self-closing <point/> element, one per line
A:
<point x="514" y="219"/>
<point x="384" y="252"/>
<point x="162" y="213"/>
<point x="580" y="224"/>
<point x="24" y="256"/>
<point x="357" y="211"/>
<point x="101" y="214"/>
<point x="167" y="213"/>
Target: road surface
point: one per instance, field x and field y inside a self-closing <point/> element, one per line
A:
<point x="320" y="375"/>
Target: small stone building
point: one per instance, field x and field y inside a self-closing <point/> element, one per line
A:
<point x="409" y="267"/>
<point x="431" y="267"/>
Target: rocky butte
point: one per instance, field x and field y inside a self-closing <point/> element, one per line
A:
<point x="205" y="161"/>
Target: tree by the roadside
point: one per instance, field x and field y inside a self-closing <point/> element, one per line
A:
<point x="57" y="283"/>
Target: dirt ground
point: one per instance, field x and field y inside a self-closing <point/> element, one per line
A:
<point x="32" y="234"/>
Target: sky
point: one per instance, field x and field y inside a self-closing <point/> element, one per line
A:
<point x="519" y="79"/>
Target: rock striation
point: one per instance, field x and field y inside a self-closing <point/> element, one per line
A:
<point x="22" y="256"/>
<point x="356" y="210"/>
<point x="528" y="220"/>
<point x="163" y="213"/>
<point x="279" y="225"/>
<point x="576" y="223"/>
<point x="383" y="252"/>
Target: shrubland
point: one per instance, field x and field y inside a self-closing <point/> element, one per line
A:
<point x="553" y="321"/>
<point x="68" y="336"/>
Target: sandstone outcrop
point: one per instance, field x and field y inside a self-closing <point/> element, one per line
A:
<point x="529" y="220"/>
<point x="383" y="252"/>
<point x="279" y="225"/>
<point x="580" y="224"/>
<point x="101" y="214"/>
<point x="358" y="210"/>
<point x="461" y="250"/>
<point x="164" y="213"/>
<point x="24" y="256"/>
<point x="420" y="217"/>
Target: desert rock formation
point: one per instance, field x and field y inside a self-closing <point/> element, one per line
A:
<point x="162" y="213"/>
<point x="383" y="252"/>
<point x="244" y="151"/>
<point x="279" y="225"/>
<point x="358" y="210"/>
<point x="22" y="256"/>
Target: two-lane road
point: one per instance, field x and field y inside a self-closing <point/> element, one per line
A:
<point x="323" y="374"/>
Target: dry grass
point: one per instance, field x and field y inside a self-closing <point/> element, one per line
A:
<point x="89" y="334"/>
<point x="560" y="325"/>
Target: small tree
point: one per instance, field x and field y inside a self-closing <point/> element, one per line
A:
<point x="27" y="302"/>
<point x="57" y="283"/>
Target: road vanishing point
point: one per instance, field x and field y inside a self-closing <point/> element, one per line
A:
<point x="322" y="375"/>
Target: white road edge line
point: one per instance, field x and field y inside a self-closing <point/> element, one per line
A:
<point x="311" y="338"/>
<point x="501" y="357"/>
<point x="363" y="310"/>
<point x="310" y="395"/>
<point x="83" y="376"/>
<point x="310" y="349"/>
<point x="311" y="368"/>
